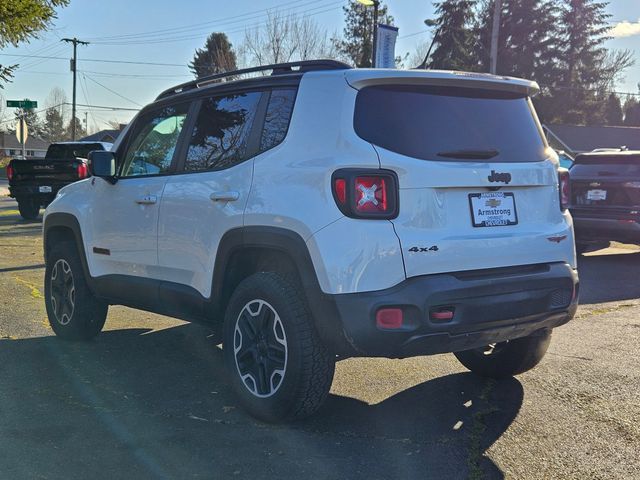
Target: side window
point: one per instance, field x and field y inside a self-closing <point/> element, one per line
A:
<point x="276" y="122"/>
<point x="220" y="135"/>
<point x="154" y="141"/>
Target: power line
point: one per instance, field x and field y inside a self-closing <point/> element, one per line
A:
<point x="112" y="91"/>
<point x="130" y="62"/>
<point x="191" y="27"/>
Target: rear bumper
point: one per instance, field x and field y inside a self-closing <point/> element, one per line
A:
<point x="488" y="306"/>
<point x="612" y="229"/>
<point x="33" y="191"/>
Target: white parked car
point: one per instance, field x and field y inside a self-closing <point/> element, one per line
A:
<point x="323" y="212"/>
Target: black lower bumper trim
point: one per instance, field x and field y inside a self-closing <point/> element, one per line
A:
<point x="488" y="306"/>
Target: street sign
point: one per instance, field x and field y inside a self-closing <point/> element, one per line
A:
<point x="22" y="132"/>
<point x="26" y="103"/>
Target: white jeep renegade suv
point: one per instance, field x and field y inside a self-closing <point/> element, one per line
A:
<point x="324" y="212"/>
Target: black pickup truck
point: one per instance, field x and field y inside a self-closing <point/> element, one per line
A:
<point x="605" y="197"/>
<point x="35" y="183"/>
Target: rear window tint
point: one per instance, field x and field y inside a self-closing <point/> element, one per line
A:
<point x="70" y="151"/>
<point x="423" y="122"/>
<point x="276" y="122"/>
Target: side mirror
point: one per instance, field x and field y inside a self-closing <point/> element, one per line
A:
<point x="103" y="164"/>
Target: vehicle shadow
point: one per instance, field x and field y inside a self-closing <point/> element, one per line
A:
<point x="608" y="278"/>
<point x="156" y="404"/>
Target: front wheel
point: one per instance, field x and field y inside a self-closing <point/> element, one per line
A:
<point x="505" y="359"/>
<point x="29" y="208"/>
<point x="74" y="313"/>
<point x="277" y="365"/>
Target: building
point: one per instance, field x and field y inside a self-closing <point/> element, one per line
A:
<point x="576" y="139"/>
<point x="10" y="147"/>
<point x="104" y="135"/>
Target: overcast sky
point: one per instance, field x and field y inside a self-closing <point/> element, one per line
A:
<point x="184" y="27"/>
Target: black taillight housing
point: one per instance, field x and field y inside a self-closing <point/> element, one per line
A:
<point x="564" y="188"/>
<point x="366" y="193"/>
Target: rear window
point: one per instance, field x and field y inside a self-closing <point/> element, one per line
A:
<point x="70" y="151"/>
<point x="433" y="123"/>
<point x="602" y="165"/>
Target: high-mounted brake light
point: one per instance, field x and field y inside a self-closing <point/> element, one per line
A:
<point x="9" y="172"/>
<point x="363" y="193"/>
<point x="565" y="189"/>
<point x="82" y="170"/>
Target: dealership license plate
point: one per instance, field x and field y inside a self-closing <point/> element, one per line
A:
<point x="44" y="189"/>
<point x="596" y="195"/>
<point x="493" y="209"/>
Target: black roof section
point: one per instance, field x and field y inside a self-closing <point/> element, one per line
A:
<point x="276" y="68"/>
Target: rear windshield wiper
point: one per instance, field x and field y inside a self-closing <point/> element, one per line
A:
<point x="479" y="154"/>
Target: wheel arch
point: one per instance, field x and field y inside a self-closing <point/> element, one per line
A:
<point x="247" y="250"/>
<point x="64" y="227"/>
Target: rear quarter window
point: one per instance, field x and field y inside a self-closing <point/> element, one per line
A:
<point x="425" y="121"/>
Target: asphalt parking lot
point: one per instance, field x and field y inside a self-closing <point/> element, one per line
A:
<point x="148" y="398"/>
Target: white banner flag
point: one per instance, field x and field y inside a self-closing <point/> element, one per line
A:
<point x="386" y="47"/>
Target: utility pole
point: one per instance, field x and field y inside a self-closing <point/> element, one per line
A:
<point x="86" y="122"/>
<point x="74" y="64"/>
<point x="495" y="32"/>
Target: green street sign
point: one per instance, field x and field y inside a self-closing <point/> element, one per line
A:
<point x="22" y="103"/>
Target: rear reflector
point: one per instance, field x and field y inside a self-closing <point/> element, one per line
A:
<point x="83" y="171"/>
<point x="9" y="172"/>
<point x="389" y="318"/>
<point x="341" y="190"/>
<point x="443" y="315"/>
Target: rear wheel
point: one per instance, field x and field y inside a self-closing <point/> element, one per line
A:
<point x="278" y="366"/>
<point x="505" y="359"/>
<point x="74" y="313"/>
<point x="29" y="208"/>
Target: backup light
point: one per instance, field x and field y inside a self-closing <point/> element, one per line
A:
<point x="564" y="187"/>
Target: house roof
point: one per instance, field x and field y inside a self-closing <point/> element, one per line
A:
<point x="576" y="138"/>
<point x="102" y="136"/>
<point x="9" y="140"/>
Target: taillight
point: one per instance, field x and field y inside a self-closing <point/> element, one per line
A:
<point x="366" y="193"/>
<point x="82" y="170"/>
<point x="565" y="189"/>
<point x="9" y="172"/>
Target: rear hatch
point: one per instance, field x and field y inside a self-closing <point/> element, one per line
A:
<point x="476" y="189"/>
<point x="606" y="185"/>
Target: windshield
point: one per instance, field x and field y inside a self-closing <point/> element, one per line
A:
<point x="71" y="151"/>
<point x="450" y="124"/>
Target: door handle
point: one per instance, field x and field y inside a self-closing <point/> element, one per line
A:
<point x="224" y="196"/>
<point x="147" y="200"/>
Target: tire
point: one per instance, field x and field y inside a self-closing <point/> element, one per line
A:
<point x="506" y="359"/>
<point x="269" y="334"/>
<point x="74" y="313"/>
<point x="29" y="208"/>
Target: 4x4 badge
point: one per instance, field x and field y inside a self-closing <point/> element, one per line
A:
<point x="499" y="177"/>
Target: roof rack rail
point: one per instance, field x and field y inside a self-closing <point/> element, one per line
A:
<point x="277" y="69"/>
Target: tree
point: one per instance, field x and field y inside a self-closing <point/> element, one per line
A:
<point x="455" y="41"/>
<point x="285" y="38"/>
<point x="217" y="56"/>
<point x="20" y="21"/>
<point x="357" y="43"/>
<point x="55" y="116"/>
<point x="80" y="131"/>
<point x="613" y="110"/>
<point x="632" y="112"/>
<point x="34" y="124"/>
<point x="588" y="68"/>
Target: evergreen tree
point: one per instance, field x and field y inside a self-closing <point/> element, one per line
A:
<point x="613" y="110"/>
<point x="54" y="130"/>
<point x="455" y="39"/>
<point x="588" y="68"/>
<point x="217" y="56"/>
<point x="80" y="131"/>
<point x="632" y="112"/>
<point x="34" y="125"/>
<point x="357" y="44"/>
